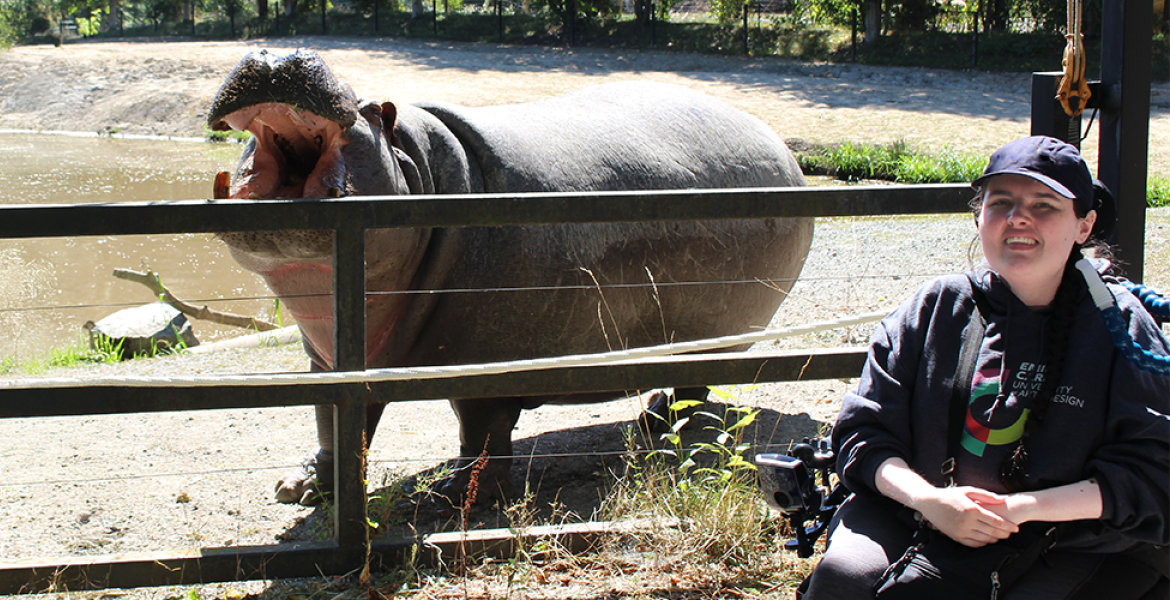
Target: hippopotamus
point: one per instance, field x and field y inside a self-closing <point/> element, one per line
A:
<point x="570" y="289"/>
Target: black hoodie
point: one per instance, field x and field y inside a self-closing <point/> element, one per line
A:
<point x="1109" y="419"/>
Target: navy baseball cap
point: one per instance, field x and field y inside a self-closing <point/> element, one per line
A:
<point x="1048" y="160"/>
<point x="1058" y="165"/>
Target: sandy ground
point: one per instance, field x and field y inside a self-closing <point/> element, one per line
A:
<point x="105" y="485"/>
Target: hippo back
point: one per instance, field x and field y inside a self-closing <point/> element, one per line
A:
<point x="620" y="136"/>
<point x="567" y="289"/>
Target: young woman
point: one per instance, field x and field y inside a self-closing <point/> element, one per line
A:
<point x="1059" y="427"/>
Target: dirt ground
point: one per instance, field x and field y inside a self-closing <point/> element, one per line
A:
<point x="108" y="485"/>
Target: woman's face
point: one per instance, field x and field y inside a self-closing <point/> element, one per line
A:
<point x="1027" y="231"/>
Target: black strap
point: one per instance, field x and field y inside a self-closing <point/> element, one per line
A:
<point x="961" y="391"/>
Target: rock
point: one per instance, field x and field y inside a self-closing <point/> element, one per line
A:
<point x="142" y="331"/>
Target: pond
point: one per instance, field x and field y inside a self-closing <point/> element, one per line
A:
<point x="49" y="288"/>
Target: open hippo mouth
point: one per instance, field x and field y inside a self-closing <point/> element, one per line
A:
<point x="297" y="112"/>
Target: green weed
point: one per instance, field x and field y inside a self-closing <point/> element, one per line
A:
<point x="1158" y="191"/>
<point x="709" y="486"/>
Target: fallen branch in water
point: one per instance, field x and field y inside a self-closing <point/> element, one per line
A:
<point x="151" y="280"/>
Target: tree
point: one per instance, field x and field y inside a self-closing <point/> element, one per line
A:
<point x="115" y="14"/>
<point x="232" y="9"/>
<point x="16" y="20"/>
<point x="872" y="14"/>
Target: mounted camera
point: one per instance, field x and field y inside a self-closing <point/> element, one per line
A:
<point x="785" y="482"/>
<point x="799" y="486"/>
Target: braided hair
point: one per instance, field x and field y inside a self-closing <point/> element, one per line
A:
<point x="1059" y="326"/>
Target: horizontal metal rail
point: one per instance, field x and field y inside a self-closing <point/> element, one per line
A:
<point x="349" y="218"/>
<point x="209" y="216"/>
<point x="668" y="371"/>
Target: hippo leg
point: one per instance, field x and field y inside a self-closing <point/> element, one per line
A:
<point x="310" y="482"/>
<point x="658" y="418"/>
<point x="485" y="425"/>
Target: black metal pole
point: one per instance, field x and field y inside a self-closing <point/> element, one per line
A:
<point x="500" y="18"/>
<point x="324" y="29"/>
<point x="435" y="15"/>
<point x="376" y="3"/>
<point x="1126" y="50"/>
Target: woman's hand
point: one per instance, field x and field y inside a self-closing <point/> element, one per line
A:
<point x="966" y="515"/>
<point x="963" y="514"/>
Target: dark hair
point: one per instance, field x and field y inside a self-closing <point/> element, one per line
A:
<point x="1013" y="468"/>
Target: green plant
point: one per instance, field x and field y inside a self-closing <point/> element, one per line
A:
<point x="1158" y="191"/>
<point x="104" y="350"/>
<point x="226" y="136"/>
<point x="707" y="484"/>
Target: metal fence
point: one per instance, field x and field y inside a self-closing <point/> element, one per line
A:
<point x="349" y="218"/>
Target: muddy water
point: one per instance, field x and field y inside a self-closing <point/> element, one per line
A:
<point x="49" y="288"/>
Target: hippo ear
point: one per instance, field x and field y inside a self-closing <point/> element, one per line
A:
<point x="390" y="121"/>
<point x="389" y="115"/>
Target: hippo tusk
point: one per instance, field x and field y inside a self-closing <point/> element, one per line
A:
<point x="222" y="185"/>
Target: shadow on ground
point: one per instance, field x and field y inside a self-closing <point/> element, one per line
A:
<point x="565" y="474"/>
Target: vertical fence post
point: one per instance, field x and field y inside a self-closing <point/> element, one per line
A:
<point x="500" y="18"/>
<point x="349" y="416"/>
<point x="1126" y="49"/>
<point x="435" y="17"/>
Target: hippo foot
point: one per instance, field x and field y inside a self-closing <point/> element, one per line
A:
<point x="309" y="483"/>
<point x="492" y="483"/>
<point x="658" y="418"/>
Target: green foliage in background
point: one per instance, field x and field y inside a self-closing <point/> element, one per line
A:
<point x="891" y="162"/>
